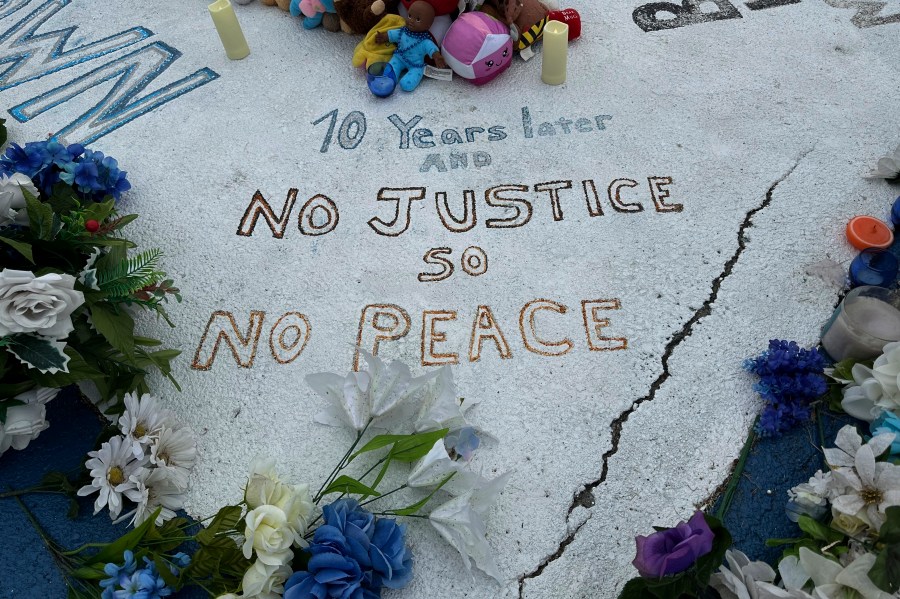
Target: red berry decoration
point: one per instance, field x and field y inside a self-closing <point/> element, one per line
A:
<point x="92" y="226"/>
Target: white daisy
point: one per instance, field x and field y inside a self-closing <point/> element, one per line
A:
<point x="142" y="420"/>
<point x="111" y="468"/>
<point x="174" y="451"/>
<point x="153" y="489"/>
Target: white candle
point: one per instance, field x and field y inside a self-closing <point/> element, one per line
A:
<point x="229" y="29"/>
<point x="555" y="53"/>
<point x="862" y="326"/>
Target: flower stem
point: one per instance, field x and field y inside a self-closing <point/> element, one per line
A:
<point x="395" y="515"/>
<point x="341" y="465"/>
<point x="383" y="495"/>
<point x="738" y="472"/>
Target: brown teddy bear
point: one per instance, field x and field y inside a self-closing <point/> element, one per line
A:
<point x="526" y="19"/>
<point x="360" y="16"/>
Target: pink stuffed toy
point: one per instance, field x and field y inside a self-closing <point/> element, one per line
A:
<point x="477" y="47"/>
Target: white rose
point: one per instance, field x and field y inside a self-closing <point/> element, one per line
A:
<point x="25" y="422"/>
<point x="297" y="505"/>
<point x="228" y="596"/>
<point x="42" y="305"/>
<point x="849" y="525"/>
<point x="267" y="532"/>
<point x="12" y="198"/>
<point x="262" y="581"/>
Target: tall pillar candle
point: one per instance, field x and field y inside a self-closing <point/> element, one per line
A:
<point x="555" y="53"/>
<point x="229" y="29"/>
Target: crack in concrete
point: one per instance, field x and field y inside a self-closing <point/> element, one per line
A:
<point x="585" y="498"/>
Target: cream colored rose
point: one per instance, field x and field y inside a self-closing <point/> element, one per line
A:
<point x="847" y="524"/>
<point x="41" y="305"/>
<point x="297" y="505"/>
<point x="12" y="198"/>
<point x="263" y="581"/>
<point x="267" y="532"/>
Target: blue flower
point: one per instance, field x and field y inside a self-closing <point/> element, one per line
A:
<point x="126" y="582"/>
<point x="462" y="442"/>
<point x="181" y="560"/>
<point x="334" y="570"/>
<point x="888" y="422"/>
<point x="391" y="558"/>
<point x="118" y="573"/>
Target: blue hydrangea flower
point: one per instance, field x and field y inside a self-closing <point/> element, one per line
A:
<point x="117" y="574"/>
<point x="127" y="582"/>
<point x="353" y="556"/>
<point x="791" y="378"/>
<point x="462" y="442"/>
<point x="391" y="558"/>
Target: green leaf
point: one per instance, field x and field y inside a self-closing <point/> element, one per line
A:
<point x="634" y="589"/>
<point x="20" y="246"/>
<point x="415" y="507"/>
<point x="162" y="567"/>
<point x="39" y="353"/>
<point x="40" y="217"/>
<point x="844" y="369"/>
<point x="780" y="542"/>
<point x="94" y="572"/>
<point x="377" y="442"/>
<point x="113" y="551"/>
<point x="819" y="531"/>
<point x="116" y="326"/>
<point x="350" y="486"/>
<point x="99" y="211"/>
<point x="226" y="519"/>
<point x="885" y="572"/>
<point x="890" y="530"/>
<point x="416" y="446"/>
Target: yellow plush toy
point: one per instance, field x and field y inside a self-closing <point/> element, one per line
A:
<point x="369" y="51"/>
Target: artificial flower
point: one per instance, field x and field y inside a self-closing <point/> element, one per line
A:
<point x="347" y="394"/>
<point x="739" y="579"/>
<point x="861" y="395"/>
<point x="888" y="423"/>
<point x="111" y="468"/>
<point x="809" y="498"/>
<point x="267" y="532"/>
<point x="142" y="421"/>
<point x="43" y="161"/>
<point x="886" y="370"/>
<point x="24" y="422"/>
<point x="673" y="550"/>
<point x="849" y="444"/>
<point x="391" y="559"/>
<point x="436" y="466"/>
<point x="154" y="488"/>
<point x="462" y="442"/>
<point x="96" y="176"/>
<point x="441" y="404"/>
<point x="12" y="198"/>
<point x="831" y="580"/>
<point x="264" y="488"/>
<point x="42" y="305"/>
<point x="264" y="581"/>
<point x="460" y="521"/>
<point x="390" y="385"/>
<point x="871" y="487"/>
<point x="334" y="570"/>
<point x="888" y="167"/>
<point x="174" y="450"/>
<point x="848" y="524"/>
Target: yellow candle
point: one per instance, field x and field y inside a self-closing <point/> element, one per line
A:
<point x="556" y="47"/>
<point x="229" y="29"/>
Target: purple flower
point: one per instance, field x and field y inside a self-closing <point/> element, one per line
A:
<point x="673" y="550"/>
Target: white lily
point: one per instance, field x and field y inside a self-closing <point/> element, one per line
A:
<point x="739" y="579"/>
<point x="831" y="579"/>
<point x="348" y="397"/>
<point x="849" y="443"/>
<point x="441" y="405"/>
<point x="436" y="466"/>
<point x="871" y="487"/>
<point x="460" y="521"/>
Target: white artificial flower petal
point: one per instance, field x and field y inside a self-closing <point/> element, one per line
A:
<point x="857" y="403"/>
<point x="441" y="405"/>
<point x="848" y="443"/>
<point x="820" y="569"/>
<point x="739" y="580"/>
<point x="347" y="395"/>
<point x="41" y="305"/>
<point x="111" y="468"/>
<point x="389" y="384"/>
<point x="432" y="469"/>
<point x="880" y="443"/>
<point x="174" y="451"/>
<point x="792" y="573"/>
<point x="856" y="577"/>
<point x="26" y="421"/>
<point x="143" y="419"/>
<point x="12" y="198"/>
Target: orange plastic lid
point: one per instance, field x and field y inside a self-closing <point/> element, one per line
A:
<point x="868" y="232"/>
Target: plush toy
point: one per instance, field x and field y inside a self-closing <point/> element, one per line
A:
<point x="414" y="44"/>
<point x="282" y="4"/>
<point x="478" y="47"/>
<point x="360" y="16"/>
<point x="526" y="19"/>
<point x="315" y="13"/>
<point x="369" y="51"/>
